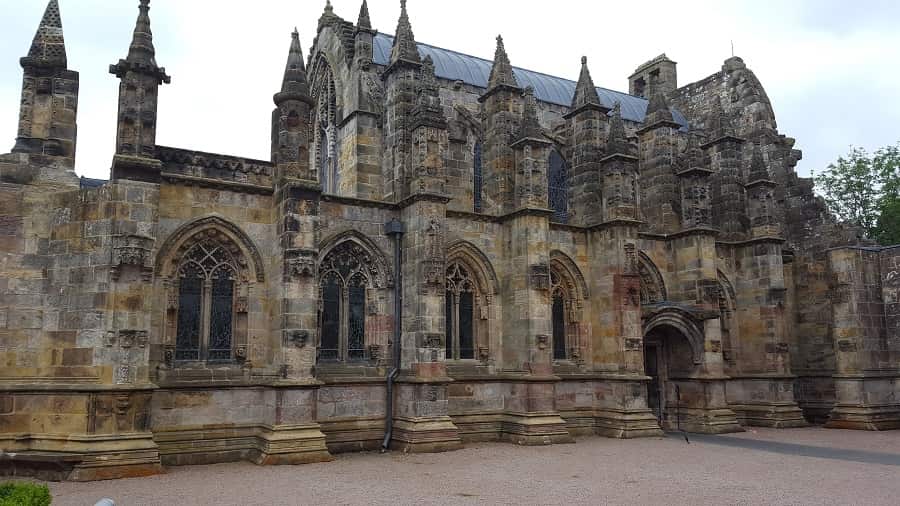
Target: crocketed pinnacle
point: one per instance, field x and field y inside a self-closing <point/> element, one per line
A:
<point x="48" y="47"/>
<point x="364" y="22"/>
<point x="692" y="157"/>
<point x="617" y="142"/>
<point x="531" y="126"/>
<point x="585" y="91"/>
<point x="405" y="47"/>
<point x="502" y="71"/>
<point x="295" y="82"/>
<point x="142" y="50"/>
<point x="758" y="169"/>
<point x="658" y="109"/>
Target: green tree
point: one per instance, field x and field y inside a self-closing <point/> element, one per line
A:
<point x="864" y="189"/>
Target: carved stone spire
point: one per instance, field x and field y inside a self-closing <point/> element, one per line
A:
<point x="531" y="125"/>
<point x="585" y="91"/>
<point x="48" y="49"/>
<point x="141" y="54"/>
<point x="617" y="142"/>
<point x="294" y="85"/>
<point x="502" y="71"/>
<point x="658" y="110"/>
<point x="405" y="47"/>
<point x="364" y="22"/>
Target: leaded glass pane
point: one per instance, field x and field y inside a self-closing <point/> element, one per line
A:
<point x="466" y="326"/>
<point x="356" y="330"/>
<point x="448" y="335"/>
<point x="559" y="328"/>
<point x="331" y="320"/>
<point x="221" y="319"/>
<point x="558" y="187"/>
<point x="187" y="341"/>
<point x="478" y="178"/>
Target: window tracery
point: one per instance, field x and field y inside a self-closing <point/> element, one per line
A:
<point x="558" y="187"/>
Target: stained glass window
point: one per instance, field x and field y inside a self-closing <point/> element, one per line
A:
<point x="559" y="327"/>
<point x="346" y="274"/>
<point x="460" y="311"/>
<point x="450" y="314"/>
<point x="558" y="187"/>
<point x="466" y="326"/>
<point x="206" y="294"/>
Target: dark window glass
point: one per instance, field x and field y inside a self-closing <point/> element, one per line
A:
<point x="187" y="342"/>
<point x="558" y="187"/>
<point x="448" y="335"/>
<point x="356" y="331"/>
<point x="331" y="320"/>
<point x="466" y="326"/>
<point x="324" y="172"/>
<point x="479" y="178"/>
<point x="559" y="328"/>
<point x="221" y="319"/>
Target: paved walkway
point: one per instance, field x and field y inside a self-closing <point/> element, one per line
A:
<point x="797" y="466"/>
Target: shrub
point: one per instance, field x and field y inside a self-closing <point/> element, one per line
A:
<point x="24" y="494"/>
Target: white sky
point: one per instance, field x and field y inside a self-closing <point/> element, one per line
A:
<point x="830" y="67"/>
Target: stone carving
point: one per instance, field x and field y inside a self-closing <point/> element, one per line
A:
<point x="169" y="354"/>
<point x="296" y="338"/>
<point x="240" y="352"/>
<point x="241" y="305"/>
<point x="540" y="277"/>
<point x="543" y="341"/>
<point x="299" y="263"/>
<point x="110" y="339"/>
<point x="123" y="404"/>
<point x="123" y="374"/>
<point x="484" y="354"/>
<point x="434" y="273"/>
<point x="634" y="344"/>
<point x="631" y="259"/>
<point x="132" y="251"/>
<point x="374" y="352"/>
<point x="130" y="338"/>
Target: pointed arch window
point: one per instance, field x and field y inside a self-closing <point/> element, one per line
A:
<point x="461" y="302"/>
<point x="347" y="274"/>
<point x="206" y="300"/>
<point x="326" y="135"/>
<point x="558" y="187"/>
<point x="562" y="302"/>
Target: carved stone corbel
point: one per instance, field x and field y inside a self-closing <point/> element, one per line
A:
<point x="299" y="263"/>
<point x="132" y="251"/>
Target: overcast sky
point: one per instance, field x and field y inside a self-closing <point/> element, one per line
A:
<point x="830" y="66"/>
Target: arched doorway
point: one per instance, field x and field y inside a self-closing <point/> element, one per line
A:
<point x="668" y="358"/>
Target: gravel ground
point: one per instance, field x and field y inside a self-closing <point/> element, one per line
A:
<point x="594" y="471"/>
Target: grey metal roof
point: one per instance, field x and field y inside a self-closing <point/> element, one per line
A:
<point x="475" y="71"/>
<point x="86" y="182"/>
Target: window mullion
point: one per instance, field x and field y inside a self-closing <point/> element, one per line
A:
<point x="456" y="297"/>
<point x="205" y="318"/>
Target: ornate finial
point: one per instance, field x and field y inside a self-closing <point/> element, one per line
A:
<point x="585" y="91"/>
<point x="502" y="72"/>
<point x="48" y="47"/>
<point x="364" y="21"/>
<point x="328" y="7"/>
<point x="294" y="83"/>
<point x="141" y="54"/>
<point x="617" y="141"/>
<point x="405" y="47"/>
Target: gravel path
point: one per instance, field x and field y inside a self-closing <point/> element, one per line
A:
<point x="593" y="471"/>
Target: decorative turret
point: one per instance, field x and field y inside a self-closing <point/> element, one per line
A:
<point x="328" y="16"/>
<point x="532" y="152"/>
<point x="49" y="94"/>
<point x="500" y="106"/>
<point x="364" y="38"/>
<point x="140" y="80"/>
<point x="619" y="173"/>
<point x="694" y="173"/>
<point x="761" y="198"/>
<point x="587" y="122"/>
<point x="429" y="134"/>
<point x="290" y="120"/>
<point x="725" y="151"/>
<point x="401" y="80"/>
<point x="660" y="202"/>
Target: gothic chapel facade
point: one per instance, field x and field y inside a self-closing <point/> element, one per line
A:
<point x="441" y="249"/>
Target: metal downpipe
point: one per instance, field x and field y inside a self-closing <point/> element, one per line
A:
<point x="394" y="228"/>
